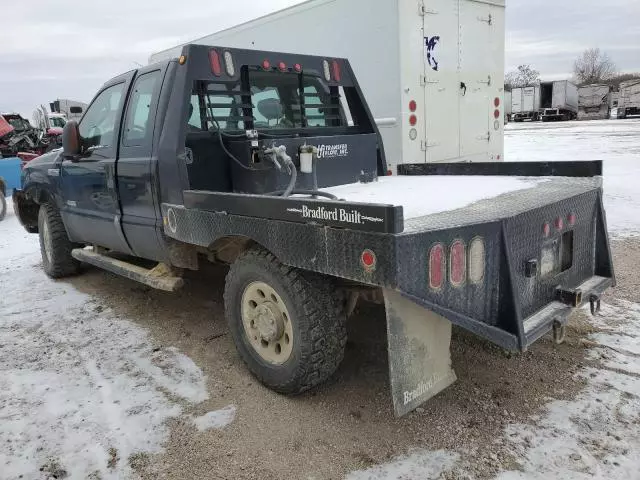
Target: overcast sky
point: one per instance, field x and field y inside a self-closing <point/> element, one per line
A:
<point x="68" y="48"/>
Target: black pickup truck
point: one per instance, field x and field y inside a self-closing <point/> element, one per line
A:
<point x="273" y="164"/>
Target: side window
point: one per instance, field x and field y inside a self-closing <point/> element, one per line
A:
<point x="98" y="126"/>
<point x="139" y="125"/>
<point x="195" y="115"/>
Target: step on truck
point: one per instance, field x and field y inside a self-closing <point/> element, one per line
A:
<point x="247" y="158"/>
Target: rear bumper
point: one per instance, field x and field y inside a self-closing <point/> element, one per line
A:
<point x="541" y="323"/>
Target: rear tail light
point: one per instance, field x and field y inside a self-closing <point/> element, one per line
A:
<point x="413" y="106"/>
<point x="298" y="67"/>
<point x="266" y="64"/>
<point x="337" y="74"/>
<point x="572" y="219"/>
<point x="436" y="266"/>
<point x="559" y="223"/>
<point x="229" y="65"/>
<point x="413" y="120"/>
<point x="496" y="114"/>
<point x="214" y="59"/>
<point x="546" y="230"/>
<point x="496" y="102"/>
<point x="457" y="264"/>
<point x="368" y="260"/>
<point x="327" y="70"/>
<point x="476" y="261"/>
<point x="282" y="67"/>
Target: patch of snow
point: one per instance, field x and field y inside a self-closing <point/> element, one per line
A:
<point x="597" y="435"/>
<point x="613" y="141"/>
<point x="218" y="419"/>
<point x="426" y="195"/>
<point x="76" y="382"/>
<point x="422" y="464"/>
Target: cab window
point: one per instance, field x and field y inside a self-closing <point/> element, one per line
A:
<point x="139" y="125"/>
<point x="98" y="126"/>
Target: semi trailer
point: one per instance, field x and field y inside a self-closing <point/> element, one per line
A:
<point x="272" y="163"/>
<point x="525" y="103"/>
<point x="629" y="100"/>
<point x="594" y="102"/>
<point x="432" y="70"/>
<point x="558" y="101"/>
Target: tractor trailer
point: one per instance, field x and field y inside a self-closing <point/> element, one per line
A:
<point x="432" y="70"/>
<point x="558" y="101"/>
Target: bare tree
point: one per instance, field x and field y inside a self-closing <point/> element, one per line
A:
<point x="594" y="66"/>
<point x="522" y="77"/>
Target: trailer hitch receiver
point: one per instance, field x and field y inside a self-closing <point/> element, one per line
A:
<point x="573" y="298"/>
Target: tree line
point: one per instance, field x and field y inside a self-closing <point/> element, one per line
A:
<point x="593" y="66"/>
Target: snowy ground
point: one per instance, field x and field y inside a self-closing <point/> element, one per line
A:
<point x="80" y="389"/>
<point x="84" y="389"/>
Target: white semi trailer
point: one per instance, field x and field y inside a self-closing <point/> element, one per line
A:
<point x="593" y="101"/>
<point x="629" y="101"/>
<point x="558" y="101"/>
<point x="432" y="71"/>
<point x="525" y="103"/>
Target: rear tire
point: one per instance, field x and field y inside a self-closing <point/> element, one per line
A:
<point x="289" y="326"/>
<point x="55" y="245"/>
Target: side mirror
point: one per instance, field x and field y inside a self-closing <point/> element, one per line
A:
<point x="71" y="140"/>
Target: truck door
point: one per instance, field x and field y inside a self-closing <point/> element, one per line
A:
<point x="90" y="205"/>
<point x="476" y="67"/>
<point x="441" y="80"/>
<point x="141" y="218"/>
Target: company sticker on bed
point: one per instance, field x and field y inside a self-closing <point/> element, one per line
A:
<point x="342" y="215"/>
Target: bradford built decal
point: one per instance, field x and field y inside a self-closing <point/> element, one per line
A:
<point x="341" y="215"/>
<point x="332" y="151"/>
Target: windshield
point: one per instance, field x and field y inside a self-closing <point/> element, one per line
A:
<point x="57" y="122"/>
<point x="277" y="101"/>
<point x="19" y="123"/>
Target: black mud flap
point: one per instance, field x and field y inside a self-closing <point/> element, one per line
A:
<point x="419" y="354"/>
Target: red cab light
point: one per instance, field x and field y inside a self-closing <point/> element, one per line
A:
<point x="337" y="74"/>
<point x="496" y="102"/>
<point x="496" y="114"/>
<point x="559" y="223"/>
<point x="436" y="266"/>
<point x="413" y="120"/>
<point x="282" y="66"/>
<point x="457" y="264"/>
<point x="368" y="260"/>
<point x="413" y="106"/>
<point x="389" y="173"/>
<point x="572" y="219"/>
<point x="298" y="67"/>
<point x="266" y="64"/>
<point x="214" y="60"/>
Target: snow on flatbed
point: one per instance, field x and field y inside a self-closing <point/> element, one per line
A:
<point x="425" y="195"/>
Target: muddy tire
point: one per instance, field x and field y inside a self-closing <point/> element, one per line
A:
<point x="55" y="245"/>
<point x="288" y="326"/>
<point x="3" y="206"/>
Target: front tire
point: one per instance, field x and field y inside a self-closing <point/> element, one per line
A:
<point x="289" y="326"/>
<point x="55" y="245"/>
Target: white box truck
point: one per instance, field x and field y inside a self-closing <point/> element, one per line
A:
<point x="558" y="101"/>
<point x="525" y="103"/>
<point x="432" y="71"/>
<point x="593" y="101"/>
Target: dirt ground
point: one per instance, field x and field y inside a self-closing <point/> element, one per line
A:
<point x="348" y="424"/>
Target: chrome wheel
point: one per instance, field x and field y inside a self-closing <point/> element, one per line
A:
<point x="267" y="323"/>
